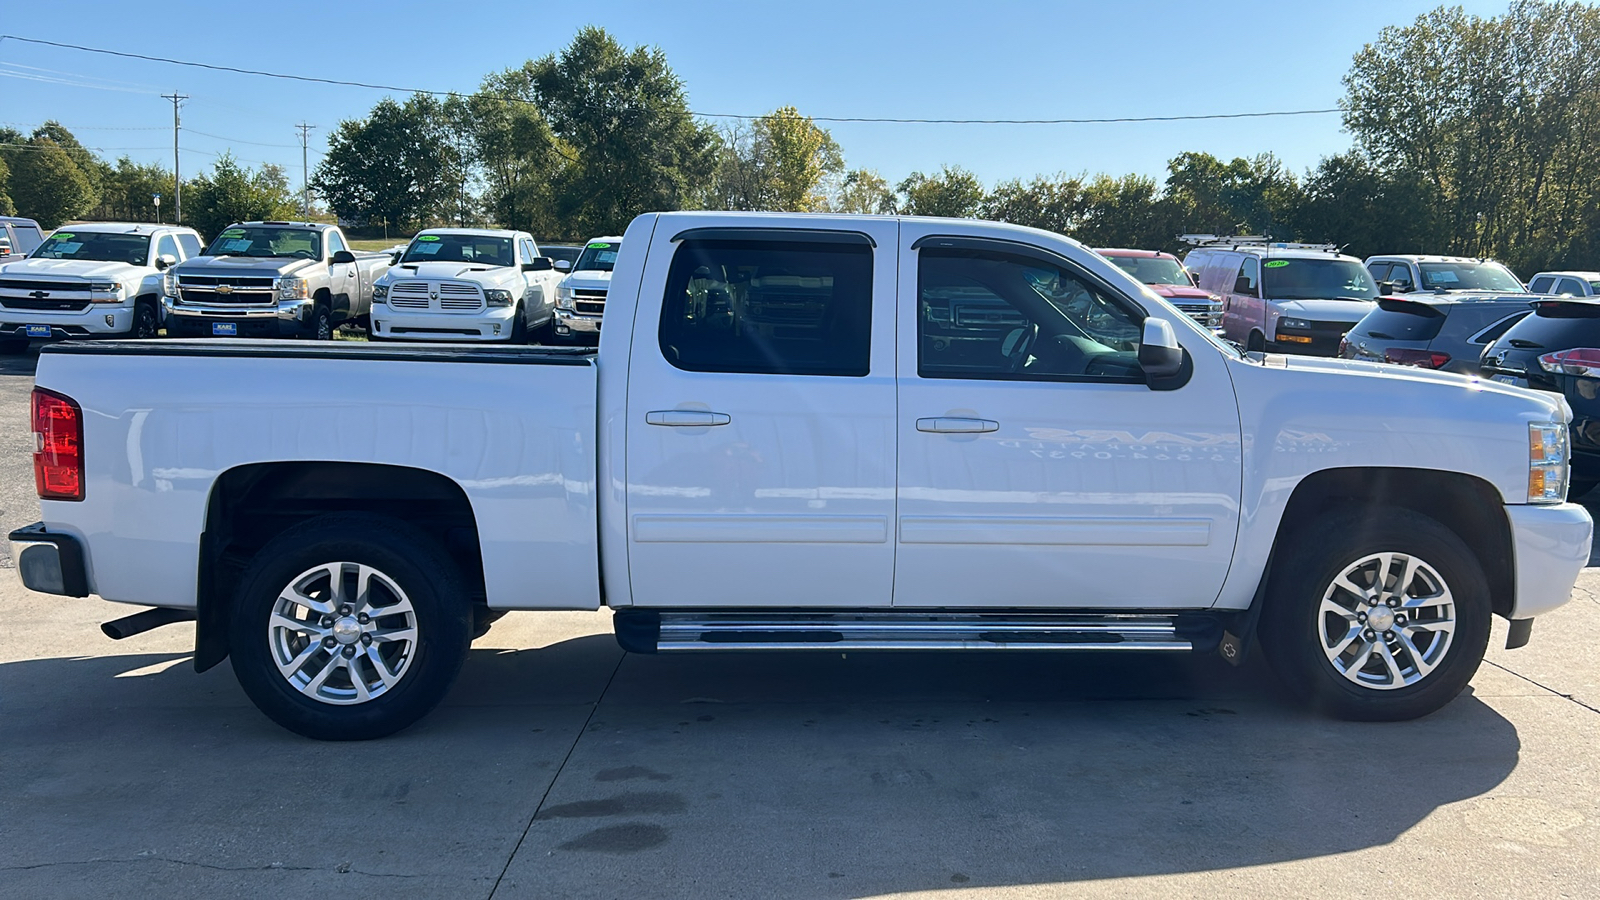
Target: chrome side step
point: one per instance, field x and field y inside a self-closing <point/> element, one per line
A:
<point x="659" y="631"/>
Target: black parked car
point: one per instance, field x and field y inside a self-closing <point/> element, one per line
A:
<point x="1557" y="348"/>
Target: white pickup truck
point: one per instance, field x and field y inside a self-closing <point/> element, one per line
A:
<point x="807" y="432"/>
<point x="467" y="284"/>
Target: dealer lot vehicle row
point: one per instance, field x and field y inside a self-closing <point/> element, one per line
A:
<point x="808" y="432"/>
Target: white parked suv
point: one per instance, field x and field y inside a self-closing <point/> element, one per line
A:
<point x="466" y="284"/>
<point x="581" y="298"/>
<point x="1286" y="298"/>
<point x="98" y="280"/>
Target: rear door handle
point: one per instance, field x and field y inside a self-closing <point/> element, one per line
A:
<point x="951" y="425"/>
<point x="685" y="418"/>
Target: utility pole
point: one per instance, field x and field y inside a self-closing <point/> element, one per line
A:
<point x="305" y="176"/>
<point x="177" y="180"/>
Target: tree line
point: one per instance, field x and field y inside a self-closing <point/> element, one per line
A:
<point x="1469" y="137"/>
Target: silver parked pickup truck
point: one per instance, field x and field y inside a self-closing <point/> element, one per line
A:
<point x="272" y="279"/>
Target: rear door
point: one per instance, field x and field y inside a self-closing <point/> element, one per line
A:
<point x="1036" y="467"/>
<point x="761" y="418"/>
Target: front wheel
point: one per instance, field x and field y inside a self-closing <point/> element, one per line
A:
<point x="1379" y="616"/>
<point x="146" y="322"/>
<point x="321" y="323"/>
<point x="349" y="627"/>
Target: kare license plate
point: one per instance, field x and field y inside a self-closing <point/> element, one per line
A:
<point x="38" y="331"/>
<point x="1511" y="380"/>
<point x="224" y="329"/>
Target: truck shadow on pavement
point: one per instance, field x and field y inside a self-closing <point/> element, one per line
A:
<point x="814" y="775"/>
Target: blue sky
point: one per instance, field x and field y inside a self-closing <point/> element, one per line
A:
<point x="998" y="59"/>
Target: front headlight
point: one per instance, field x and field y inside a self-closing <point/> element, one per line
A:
<point x="105" y="292"/>
<point x="1548" y="462"/>
<point x="292" y="287"/>
<point x="497" y="297"/>
<point x="380" y="293"/>
<point x="1297" y="324"/>
<point x="564" y="297"/>
<point x="169" y="284"/>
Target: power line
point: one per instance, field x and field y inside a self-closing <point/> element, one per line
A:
<point x="512" y="99"/>
<point x="240" y="140"/>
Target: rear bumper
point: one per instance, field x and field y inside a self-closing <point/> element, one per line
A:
<point x="1550" y="546"/>
<point x="49" y="563"/>
<point x="492" y="324"/>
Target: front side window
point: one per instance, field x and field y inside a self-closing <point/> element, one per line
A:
<point x="769" y="307"/>
<point x="992" y="315"/>
<point x="1318" y="279"/>
<point x="267" y="241"/>
<point x="1249" y="280"/>
<point x="189" y="243"/>
<point x="1468" y="276"/>
<point x="1541" y="285"/>
<point x="1153" y="269"/>
<point x="1570" y="287"/>
<point x="468" y="248"/>
<point x="525" y="252"/>
<point x="335" y="243"/>
<point x="133" y="249"/>
<point x="166" y="246"/>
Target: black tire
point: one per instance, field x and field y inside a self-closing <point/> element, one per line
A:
<point x="1304" y="571"/>
<point x="519" y="327"/>
<point x="13" y="347"/>
<point x="1580" y="487"/>
<point x="1257" y="343"/>
<point x="440" y="603"/>
<point x="321" y="326"/>
<point x="146" y="320"/>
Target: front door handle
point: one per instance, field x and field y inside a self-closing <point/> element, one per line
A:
<point x="685" y="418"/>
<point x="952" y="425"/>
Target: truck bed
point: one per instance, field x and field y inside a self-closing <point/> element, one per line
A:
<point x="512" y="427"/>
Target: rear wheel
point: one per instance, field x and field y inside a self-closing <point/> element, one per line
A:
<point x="349" y="627"/>
<point x="1377" y="616"/>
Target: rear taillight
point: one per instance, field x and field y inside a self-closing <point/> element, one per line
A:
<point x="1344" y="345"/>
<point x="1426" y="359"/>
<point x="1581" y="362"/>
<point x="57" y="446"/>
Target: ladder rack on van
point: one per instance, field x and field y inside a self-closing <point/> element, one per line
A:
<point x="1248" y="241"/>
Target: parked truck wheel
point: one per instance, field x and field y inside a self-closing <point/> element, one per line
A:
<point x="13" y="347"/>
<point x="519" y="326"/>
<point x="146" y="321"/>
<point x="1381" y="615"/>
<point x="321" y="326"/>
<point x="349" y="627"/>
<point x="1257" y="342"/>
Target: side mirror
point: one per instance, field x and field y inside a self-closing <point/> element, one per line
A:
<point x="1242" y="285"/>
<point x="343" y="258"/>
<point x="165" y="261"/>
<point x="539" y="264"/>
<point x="563" y="265"/>
<point x="1161" y="356"/>
<point x="394" y="258"/>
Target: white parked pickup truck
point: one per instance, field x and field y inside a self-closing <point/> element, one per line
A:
<point x="807" y="432"/>
<point x="463" y="284"/>
<point x="581" y="297"/>
<point x="100" y="279"/>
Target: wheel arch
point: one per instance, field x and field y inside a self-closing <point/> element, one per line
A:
<point x="251" y="504"/>
<point x="1467" y="505"/>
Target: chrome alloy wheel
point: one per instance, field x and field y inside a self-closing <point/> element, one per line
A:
<point x="342" y="633"/>
<point x="1387" y="620"/>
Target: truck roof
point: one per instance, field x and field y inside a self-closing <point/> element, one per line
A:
<point x="1569" y="273"/>
<point x="316" y="225"/>
<point x="1134" y="254"/>
<point x="122" y="228"/>
<point x="491" y="232"/>
<point x="1429" y="257"/>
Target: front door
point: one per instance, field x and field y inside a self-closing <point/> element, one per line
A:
<point x="761" y="418"/>
<point x="1036" y="467"/>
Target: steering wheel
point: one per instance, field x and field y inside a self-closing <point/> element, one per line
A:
<point x="1017" y="346"/>
<point x="303" y="254"/>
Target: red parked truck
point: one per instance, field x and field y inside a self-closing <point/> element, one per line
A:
<point x="1164" y="274"/>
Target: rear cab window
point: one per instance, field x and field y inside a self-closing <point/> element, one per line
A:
<point x="769" y="307"/>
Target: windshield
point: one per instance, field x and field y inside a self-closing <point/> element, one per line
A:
<point x="1317" y="279"/>
<point x="598" y="255"/>
<point x="1469" y="276"/>
<point x="133" y="249"/>
<point x="485" y="250"/>
<point x="1153" y="269"/>
<point x="267" y="241"/>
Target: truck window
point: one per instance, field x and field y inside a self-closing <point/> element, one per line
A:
<point x="768" y="307"/>
<point x="189" y="243"/>
<point x="335" y="243"/>
<point x="996" y="316"/>
<point x="1541" y="285"/>
<point x="525" y="252"/>
<point x="166" y="245"/>
<point x="28" y="238"/>
<point x="1249" y="280"/>
<point x="1570" y="287"/>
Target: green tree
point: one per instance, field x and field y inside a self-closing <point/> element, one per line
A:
<point x="864" y="191"/>
<point x="518" y="155"/>
<point x="399" y="165"/>
<point x="635" y="146"/>
<point x="6" y="207"/>
<point x="232" y="193"/>
<point x="1124" y="212"/>
<point x="953" y="192"/>
<point x="1245" y="196"/>
<point x="46" y="184"/>
<point x="1054" y="204"/>
<point x="127" y="189"/>
<point x="780" y="161"/>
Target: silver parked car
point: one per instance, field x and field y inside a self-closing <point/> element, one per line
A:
<point x="1433" y="331"/>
